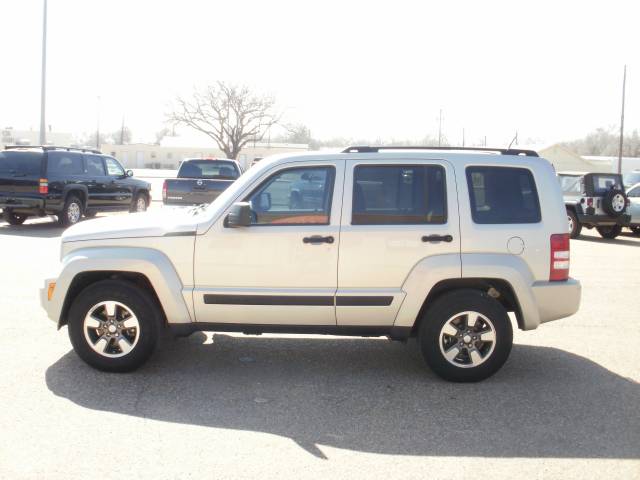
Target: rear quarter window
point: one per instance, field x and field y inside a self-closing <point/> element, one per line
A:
<point x="20" y="163"/>
<point x="64" y="163"/>
<point x="503" y="195"/>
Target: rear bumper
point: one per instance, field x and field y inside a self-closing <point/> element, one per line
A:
<point x="22" y="203"/>
<point x="604" y="220"/>
<point x="557" y="299"/>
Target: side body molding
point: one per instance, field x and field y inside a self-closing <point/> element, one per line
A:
<point x="423" y="276"/>
<point x="174" y="298"/>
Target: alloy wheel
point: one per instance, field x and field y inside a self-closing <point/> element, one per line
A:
<point x="467" y="339"/>
<point x="111" y="329"/>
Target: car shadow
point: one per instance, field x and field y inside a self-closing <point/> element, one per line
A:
<point x="370" y="395"/>
<point x="615" y="241"/>
<point x="36" y="230"/>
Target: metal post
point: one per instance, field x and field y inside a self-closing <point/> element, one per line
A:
<point x="440" y="129"/>
<point x="624" y="82"/>
<point x="98" y="127"/>
<point x="43" y="131"/>
<point x="463" y="138"/>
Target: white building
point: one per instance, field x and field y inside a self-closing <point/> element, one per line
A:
<point x="9" y="136"/>
<point x="168" y="155"/>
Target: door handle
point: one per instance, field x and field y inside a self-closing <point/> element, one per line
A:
<point x="437" y="238"/>
<point x="315" y="239"/>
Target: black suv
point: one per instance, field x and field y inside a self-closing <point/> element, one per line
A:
<point x="67" y="182"/>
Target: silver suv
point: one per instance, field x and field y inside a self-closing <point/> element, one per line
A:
<point x="436" y="244"/>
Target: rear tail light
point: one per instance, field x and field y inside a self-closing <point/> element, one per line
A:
<point x="590" y="202"/>
<point x="164" y="190"/>
<point x="43" y="186"/>
<point x="559" y="257"/>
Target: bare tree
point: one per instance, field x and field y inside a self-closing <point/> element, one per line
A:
<point x="230" y="114"/>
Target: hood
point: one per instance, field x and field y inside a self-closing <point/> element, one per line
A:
<point x="133" y="225"/>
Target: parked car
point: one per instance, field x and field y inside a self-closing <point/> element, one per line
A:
<point x="594" y="200"/>
<point x="66" y="182"/>
<point x="200" y="181"/>
<point x="397" y="242"/>
<point x="634" y="208"/>
<point x="631" y="178"/>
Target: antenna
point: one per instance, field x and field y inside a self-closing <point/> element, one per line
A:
<point x="515" y="139"/>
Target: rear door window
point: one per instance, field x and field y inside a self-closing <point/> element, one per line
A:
<point x="95" y="167"/>
<point x="570" y="184"/>
<point x="398" y="194"/>
<point x="20" y="163"/>
<point x="64" y="163"/>
<point x="604" y="183"/>
<point x="503" y="195"/>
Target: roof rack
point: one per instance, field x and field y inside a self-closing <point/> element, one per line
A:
<point x="502" y="151"/>
<point x="53" y="147"/>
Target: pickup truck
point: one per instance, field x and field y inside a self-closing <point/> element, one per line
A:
<point x="200" y="181"/>
<point x="402" y="243"/>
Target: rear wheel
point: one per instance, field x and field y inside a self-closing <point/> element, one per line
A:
<point x="114" y="326"/>
<point x="465" y="336"/>
<point x="610" y="232"/>
<point x="72" y="211"/>
<point x="13" y="218"/>
<point x="574" y="224"/>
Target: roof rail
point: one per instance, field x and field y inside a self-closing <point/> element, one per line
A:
<point x="502" y="151"/>
<point x="53" y="147"/>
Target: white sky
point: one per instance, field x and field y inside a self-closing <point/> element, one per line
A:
<point x="552" y="70"/>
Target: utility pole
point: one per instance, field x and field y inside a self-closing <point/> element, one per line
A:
<point x="440" y="129"/>
<point x="462" y="137"/>
<point x="624" y="82"/>
<point x="98" y="126"/>
<point x="485" y="141"/>
<point x="122" y="132"/>
<point x="43" y="131"/>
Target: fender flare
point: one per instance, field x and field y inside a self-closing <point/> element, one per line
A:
<point x="68" y="189"/>
<point x="153" y="264"/>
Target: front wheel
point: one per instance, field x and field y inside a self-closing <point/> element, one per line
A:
<point x="609" y="232"/>
<point x="114" y="326"/>
<point x="465" y="336"/>
<point x="140" y="203"/>
<point x="13" y="218"/>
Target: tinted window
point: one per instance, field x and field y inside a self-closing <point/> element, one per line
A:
<point x="64" y="163"/>
<point x="209" y="169"/>
<point x="632" y="178"/>
<point x="407" y="194"/>
<point x="296" y="196"/>
<point x="113" y="167"/>
<point x="634" y="192"/>
<point x="20" y="163"/>
<point x="502" y="195"/>
<point x="94" y="166"/>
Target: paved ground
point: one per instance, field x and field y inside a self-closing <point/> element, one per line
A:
<point x="566" y="404"/>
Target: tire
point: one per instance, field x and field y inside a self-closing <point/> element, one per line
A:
<point x="140" y="203"/>
<point x="609" y="232"/>
<point x="459" y="306"/>
<point x="90" y="213"/>
<point x="139" y="339"/>
<point x="13" y="218"/>
<point x="635" y="231"/>
<point x="614" y="202"/>
<point x="574" y="224"/>
<point x="71" y="212"/>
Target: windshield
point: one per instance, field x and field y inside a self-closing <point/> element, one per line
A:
<point x="632" y="178"/>
<point x="570" y="183"/>
<point x="209" y="169"/>
<point x="20" y="163"/>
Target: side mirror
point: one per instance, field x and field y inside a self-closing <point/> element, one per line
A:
<point x="129" y="173"/>
<point x="239" y="215"/>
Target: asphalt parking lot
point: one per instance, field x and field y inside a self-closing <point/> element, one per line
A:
<point x="566" y="404"/>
